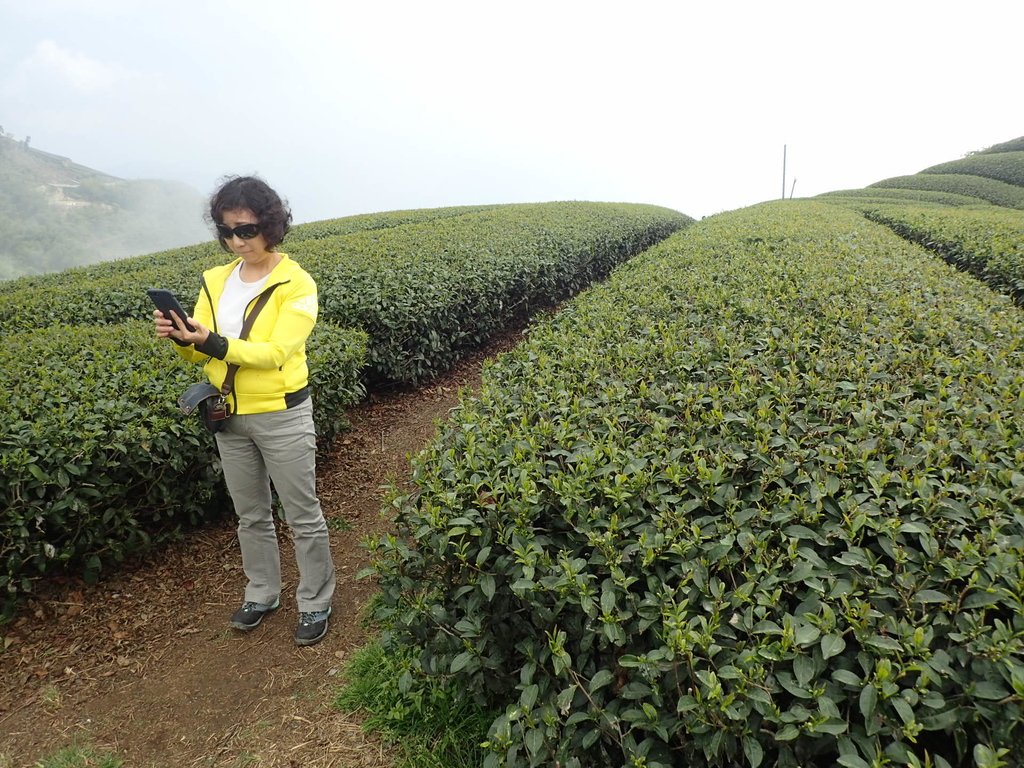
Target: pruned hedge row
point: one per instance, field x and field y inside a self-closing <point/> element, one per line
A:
<point x="427" y="293"/>
<point x="113" y="291"/>
<point x="1013" y="145"/>
<point x="756" y="500"/>
<point x="918" y="196"/>
<point x="1001" y="166"/>
<point x="98" y="463"/>
<point x="988" y="243"/>
<point x="363" y="222"/>
<point x="990" y="190"/>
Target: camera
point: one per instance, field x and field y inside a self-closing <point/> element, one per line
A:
<point x="217" y="409"/>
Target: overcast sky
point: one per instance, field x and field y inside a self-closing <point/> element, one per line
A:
<point x="354" y="107"/>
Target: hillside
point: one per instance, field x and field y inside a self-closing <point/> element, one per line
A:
<point x="56" y="214"/>
<point x="991" y="176"/>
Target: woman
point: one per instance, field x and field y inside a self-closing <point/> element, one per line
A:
<point x="269" y="435"/>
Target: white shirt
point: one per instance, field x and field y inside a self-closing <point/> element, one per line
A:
<point x="236" y="297"/>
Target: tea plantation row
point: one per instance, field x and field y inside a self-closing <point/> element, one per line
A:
<point x="756" y="500"/>
<point x="180" y="266"/>
<point x="987" y="242"/>
<point x="873" y="195"/>
<point x="427" y="293"/>
<point x="1007" y="166"/>
<point x="424" y="292"/>
<point x="97" y="463"/>
<point x="985" y="189"/>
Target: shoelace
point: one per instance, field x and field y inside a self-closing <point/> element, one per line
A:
<point x="308" y="619"/>
<point x="249" y="605"/>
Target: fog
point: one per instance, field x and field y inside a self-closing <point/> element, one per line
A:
<point x="353" y="108"/>
<point x="157" y="216"/>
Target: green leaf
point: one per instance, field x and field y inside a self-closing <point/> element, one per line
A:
<point x="801" y="532"/>
<point x="529" y="696"/>
<point x="853" y="761"/>
<point x="753" y="751"/>
<point x="806" y="634"/>
<point x="788" y="732"/>
<point x="987" y="757"/>
<point x="988" y="690"/>
<point x="600" y="679"/>
<point x="520" y="586"/>
<point x="914" y="526"/>
<point x="534" y="741"/>
<point x="980" y="599"/>
<point x="607" y="601"/>
<point x="847" y="677"/>
<point x="482" y="556"/>
<point x="686" y="703"/>
<point x="405" y="681"/>
<point x="803" y="669"/>
<point x="487" y="585"/>
<point x="832" y="645"/>
<point x="885" y="642"/>
<point x="903" y="709"/>
<point x="828" y="707"/>
<point x="868" y="701"/>
<point x="565" y="698"/>
<point x="833" y="728"/>
<point x="461" y="661"/>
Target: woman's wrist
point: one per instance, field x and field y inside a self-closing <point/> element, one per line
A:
<point x="214" y="346"/>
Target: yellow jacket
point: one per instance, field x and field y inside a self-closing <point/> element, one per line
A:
<point x="273" y="374"/>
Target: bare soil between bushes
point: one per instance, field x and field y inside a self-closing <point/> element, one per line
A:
<point x="145" y="666"/>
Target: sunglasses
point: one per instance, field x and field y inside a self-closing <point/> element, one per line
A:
<point x="244" y="231"/>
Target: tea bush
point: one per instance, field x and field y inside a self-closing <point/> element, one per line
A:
<point x="97" y="461"/>
<point x="114" y="291"/>
<point x="890" y="196"/>
<point x="317" y="230"/>
<point x="428" y="293"/>
<point x="1005" y="166"/>
<point x="1013" y="145"/>
<point x="426" y="289"/>
<point x="756" y="500"/>
<point x="988" y="243"/>
<point x="989" y="190"/>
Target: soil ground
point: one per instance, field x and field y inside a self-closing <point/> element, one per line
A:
<point x="144" y="664"/>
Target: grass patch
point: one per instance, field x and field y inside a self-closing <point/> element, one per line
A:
<point x="427" y="722"/>
<point x="80" y="757"/>
<point x="338" y="524"/>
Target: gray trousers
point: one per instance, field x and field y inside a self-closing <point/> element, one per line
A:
<point x="279" y="446"/>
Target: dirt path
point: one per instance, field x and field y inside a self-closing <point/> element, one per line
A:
<point x="144" y="665"/>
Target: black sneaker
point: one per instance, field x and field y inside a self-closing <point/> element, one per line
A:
<point x="251" y="614"/>
<point x="312" y="627"/>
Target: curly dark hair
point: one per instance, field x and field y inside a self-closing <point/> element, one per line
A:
<point x="251" y="192"/>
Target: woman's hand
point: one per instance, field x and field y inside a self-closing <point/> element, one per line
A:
<point x="175" y="329"/>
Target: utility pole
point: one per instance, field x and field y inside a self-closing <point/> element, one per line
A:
<point x="783" y="171"/>
<point x="792" y="188"/>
